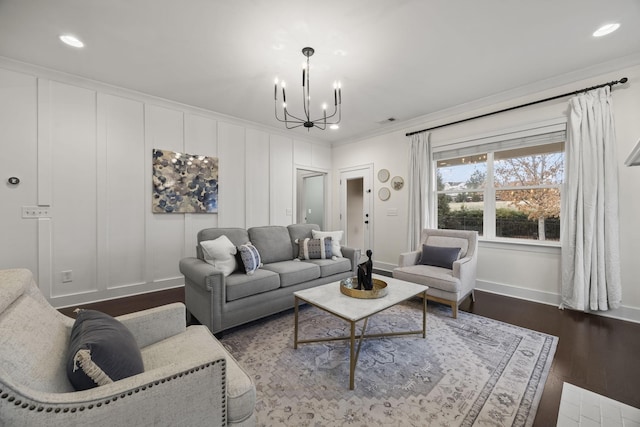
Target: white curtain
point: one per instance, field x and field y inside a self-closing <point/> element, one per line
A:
<point x="589" y="222"/>
<point x="418" y="186"/>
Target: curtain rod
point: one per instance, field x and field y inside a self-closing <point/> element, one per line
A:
<point x="615" y="82"/>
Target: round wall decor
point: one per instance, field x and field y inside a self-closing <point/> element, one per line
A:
<point x="384" y="194"/>
<point x="397" y="183"/>
<point x="383" y="175"/>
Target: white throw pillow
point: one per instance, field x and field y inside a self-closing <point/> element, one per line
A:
<point x="220" y="253"/>
<point x="336" y="237"/>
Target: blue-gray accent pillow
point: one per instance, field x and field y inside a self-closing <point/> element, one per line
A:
<point x="439" y="256"/>
<point x="101" y="350"/>
<point x="250" y="258"/>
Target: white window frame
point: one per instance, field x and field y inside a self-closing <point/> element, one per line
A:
<point x="488" y="143"/>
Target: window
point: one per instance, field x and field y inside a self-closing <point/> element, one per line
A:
<point x="505" y="187"/>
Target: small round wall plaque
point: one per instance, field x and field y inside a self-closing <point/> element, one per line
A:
<point x="384" y="194"/>
<point x="383" y="175"/>
<point x="14" y="180"/>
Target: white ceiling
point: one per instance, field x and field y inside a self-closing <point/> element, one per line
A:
<point x="402" y="58"/>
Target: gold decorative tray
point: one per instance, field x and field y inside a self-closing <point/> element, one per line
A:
<point x="347" y="287"/>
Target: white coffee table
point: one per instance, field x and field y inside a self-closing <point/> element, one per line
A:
<point x="330" y="299"/>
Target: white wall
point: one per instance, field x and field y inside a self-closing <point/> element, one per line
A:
<point x="83" y="150"/>
<point x="530" y="272"/>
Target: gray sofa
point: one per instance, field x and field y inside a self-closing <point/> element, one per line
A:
<point x="220" y="302"/>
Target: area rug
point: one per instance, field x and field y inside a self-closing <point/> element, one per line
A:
<point x="470" y="371"/>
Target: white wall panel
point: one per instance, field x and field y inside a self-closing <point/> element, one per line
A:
<point x="73" y="142"/>
<point x="200" y="137"/>
<point x="121" y="184"/>
<point x="321" y="156"/>
<point x="281" y="180"/>
<point x="302" y="152"/>
<point x="87" y="153"/>
<point x="165" y="232"/>
<point x="257" y="188"/>
<point x="18" y="145"/>
<point x="231" y="174"/>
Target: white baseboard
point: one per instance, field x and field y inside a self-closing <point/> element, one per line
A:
<point x="630" y="314"/>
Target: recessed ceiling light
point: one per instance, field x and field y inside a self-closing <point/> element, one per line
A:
<point x="340" y="52"/>
<point x="334" y="127"/>
<point x="71" y="40"/>
<point x="277" y="46"/>
<point x="606" y="29"/>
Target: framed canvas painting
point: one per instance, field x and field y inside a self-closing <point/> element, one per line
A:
<point x="184" y="183"/>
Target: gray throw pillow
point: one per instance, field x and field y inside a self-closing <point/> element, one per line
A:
<point x="101" y="350"/>
<point x="439" y="256"/>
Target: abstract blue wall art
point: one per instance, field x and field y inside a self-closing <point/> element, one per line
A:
<point x="184" y="183"/>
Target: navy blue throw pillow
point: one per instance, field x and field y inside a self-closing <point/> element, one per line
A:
<point x="101" y="350"/>
<point x="439" y="256"/>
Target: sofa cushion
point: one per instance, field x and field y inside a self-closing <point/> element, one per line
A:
<point x="190" y="345"/>
<point x="293" y="272"/>
<point x="336" y="237"/>
<point x="435" y="277"/>
<point x="250" y="258"/>
<point x="329" y="267"/>
<point x="299" y="232"/>
<point x="315" y="248"/>
<point x="102" y="350"/>
<point x="220" y="253"/>
<point x="439" y="256"/>
<point x="240" y="285"/>
<point x="273" y="243"/>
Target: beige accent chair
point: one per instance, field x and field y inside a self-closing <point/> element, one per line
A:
<point x="446" y="286"/>
<point x="189" y="378"/>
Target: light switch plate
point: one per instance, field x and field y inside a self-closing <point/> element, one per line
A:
<point x="36" y="212"/>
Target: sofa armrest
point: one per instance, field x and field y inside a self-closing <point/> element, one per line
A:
<point x="354" y="256"/>
<point x="200" y="273"/>
<point x="156" y="324"/>
<point x="186" y="392"/>
<point x="408" y="258"/>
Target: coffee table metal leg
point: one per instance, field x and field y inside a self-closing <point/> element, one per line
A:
<point x="352" y="361"/>
<point x="295" y="327"/>
<point x="424" y="315"/>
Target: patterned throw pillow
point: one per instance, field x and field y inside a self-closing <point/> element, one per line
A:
<point x="336" y="237"/>
<point x="250" y="258"/>
<point x="315" y="248"/>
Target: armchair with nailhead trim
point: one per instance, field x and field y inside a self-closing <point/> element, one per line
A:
<point x="189" y="378"/>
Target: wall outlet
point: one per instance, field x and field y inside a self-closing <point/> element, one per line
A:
<point x="36" y="212"/>
<point x="67" y="276"/>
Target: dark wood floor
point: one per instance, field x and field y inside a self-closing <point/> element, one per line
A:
<point x="594" y="352"/>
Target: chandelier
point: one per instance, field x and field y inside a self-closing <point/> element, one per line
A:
<point x="291" y="121"/>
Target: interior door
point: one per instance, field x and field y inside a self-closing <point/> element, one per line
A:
<point x="356" y="217"/>
<point x="311" y="196"/>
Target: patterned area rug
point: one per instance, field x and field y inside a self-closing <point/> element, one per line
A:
<point x="469" y="371"/>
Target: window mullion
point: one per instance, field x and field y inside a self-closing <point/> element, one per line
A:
<point x="489" y="216"/>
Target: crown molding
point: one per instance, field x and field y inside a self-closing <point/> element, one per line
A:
<point x="573" y="79"/>
<point x="105" y="88"/>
